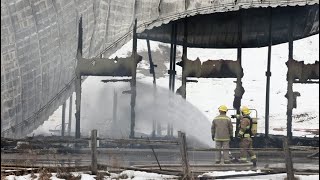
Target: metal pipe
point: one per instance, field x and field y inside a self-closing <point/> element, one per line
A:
<point x="268" y="74"/>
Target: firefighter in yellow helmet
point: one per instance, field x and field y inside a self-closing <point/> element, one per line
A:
<point x="222" y="132"/>
<point x="245" y="135"/>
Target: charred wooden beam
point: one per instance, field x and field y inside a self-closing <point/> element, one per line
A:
<point x="212" y="68"/>
<point x="115" y="80"/>
<point x="297" y="70"/>
<point x="107" y="67"/>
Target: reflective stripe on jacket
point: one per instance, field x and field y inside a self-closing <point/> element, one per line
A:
<point x="222" y="128"/>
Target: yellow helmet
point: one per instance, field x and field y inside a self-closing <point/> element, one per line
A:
<point x="223" y="108"/>
<point x="245" y="110"/>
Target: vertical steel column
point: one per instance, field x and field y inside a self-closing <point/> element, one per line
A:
<point x="63" y="121"/>
<point x="70" y="116"/>
<point x="184" y="58"/>
<point x="290" y="81"/>
<point x="239" y="59"/>
<point x="268" y="74"/>
<point x="133" y="80"/>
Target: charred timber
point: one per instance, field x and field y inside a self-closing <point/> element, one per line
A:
<point x="211" y="68"/>
<point x="107" y="67"/>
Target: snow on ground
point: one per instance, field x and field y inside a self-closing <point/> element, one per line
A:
<point x="128" y="174"/>
<point x="266" y="177"/>
<point x="139" y="175"/>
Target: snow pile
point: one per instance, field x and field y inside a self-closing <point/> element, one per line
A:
<point x="128" y="174"/>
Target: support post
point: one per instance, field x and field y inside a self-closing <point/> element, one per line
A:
<point x="268" y="74"/>
<point x="288" y="157"/>
<point x="152" y="71"/>
<point x="172" y="70"/>
<point x="151" y="63"/>
<point x="63" y="121"/>
<point x="289" y="94"/>
<point x="70" y="116"/>
<point x="184" y="155"/>
<point x="239" y="89"/>
<point x="133" y="80"/>
<point x="94" y="163"/>
<point x="184" y="58"/>
<point x="78" y="105"/>
<point x="78" y="83"/>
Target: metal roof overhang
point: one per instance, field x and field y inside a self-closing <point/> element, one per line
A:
<point x="220" y="30"/>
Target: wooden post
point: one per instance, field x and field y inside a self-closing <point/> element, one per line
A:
<point x="289" y="94"/>
<point x="184" y="155"/>
<point x="155" y="155"/>
<point x="237" y="99"/>
<point x="152" y="71"/>
<point x="78" y="83"/>
<point x="133" y="80"/>
<point x="94" y="165"/>
<point x="63" y="121"/>
<point x="172" y="69"/>
<point x="288" y="158"/>
<point x="184" y="58"/>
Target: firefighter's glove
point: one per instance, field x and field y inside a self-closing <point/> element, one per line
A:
<point x="212" y="138"/>
<point x="240" y="135"/>
<point x="237" y="116"/>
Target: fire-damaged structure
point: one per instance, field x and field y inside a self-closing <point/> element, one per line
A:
<point x="37" y="48"/>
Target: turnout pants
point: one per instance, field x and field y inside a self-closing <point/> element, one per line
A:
<point x="246" y="149"/>
<point x="223" y="145"/>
